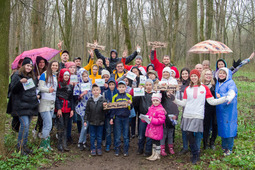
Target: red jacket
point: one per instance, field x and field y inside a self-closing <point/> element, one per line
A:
<point x="160" y="66"/>
<point x="128" y="67"/>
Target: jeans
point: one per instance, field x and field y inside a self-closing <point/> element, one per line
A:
<point x="62" y="123"/>
<point x="23" y="130"/>
<point x="47" y="123"/>
<point x="185" y="140"/>
<point x="83" y="134"/>
<point x="108" y="129"/>
<point x="227" y="143"/>
<point x="141" y="138"/>
<point x="96" y="133"/>
<point x="198" y="137"/>
<point x="121" y="125"/>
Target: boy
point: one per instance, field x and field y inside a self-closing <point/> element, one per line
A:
<point x="105" y="74"/>
<point x="95" y="115"/>
<point x="121" y="118"/>
<point x="144" y="102"/>
<point x="153" y="75"/>
<point x="94" y="73"/>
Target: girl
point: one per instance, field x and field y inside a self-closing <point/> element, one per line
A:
<point x="210" y="111"/>
<point x="48" y="87"/>
<point x="24" y="102"/>
<point x="64" y="106"/>
<point x="94" y="73"/>
<point x="226" y="112"/>
<point x="154" y="129"/>
<point x="194" y="102"/>
<point x="167" y="78"/>
<point x="82" y="98"/>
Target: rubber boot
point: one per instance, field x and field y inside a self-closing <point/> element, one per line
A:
<point x="194" y="159"/>
<point x="48" y="144"/>
<point x="153" y="152"/>
<point x="171" y="148"/>
<point x="43" y="145"/>
<point x="163" y="150"/>
<point x="156" y="155"/>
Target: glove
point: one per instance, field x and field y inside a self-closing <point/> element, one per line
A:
<point x="236" y="63"/>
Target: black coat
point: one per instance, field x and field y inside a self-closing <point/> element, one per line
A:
<point x="64" y="95"/>
<point x="22" y="102"/>
<point x="209" y="109"/>
<point x="94" y="112"/>
<point x="143" y="102"/>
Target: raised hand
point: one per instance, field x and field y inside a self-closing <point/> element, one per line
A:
<point x="138" y="48"/>
<point x="107" y="62"/>
<point x="91" y="53"/>
<point x="124" y="54"/>
<point x="60" y="45"/>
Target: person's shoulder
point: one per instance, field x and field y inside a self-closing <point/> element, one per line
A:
<point x="128" y="95"/>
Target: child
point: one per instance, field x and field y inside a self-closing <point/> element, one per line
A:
<point x="94" y="73"/>
<point x="105" y="74"/>
<point x="167" y="78"/>
<point x="95" y="115"/>
<point x="226" y="113"/>
<point x="82" y="98"/>
<point x="112" y="90"/>
<point x="153" y="75"/>
<point x="154" y="129"/>
<point x="121" y="118"/>
<point x="64" y="106"/>
<point x="143" y="103"/>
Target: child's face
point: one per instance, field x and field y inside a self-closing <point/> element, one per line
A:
<point x="106" y="77"/>
<point x="135" y="71"/>
<point x="221" y="64"/>
<point x="185" y="75"/>
<point x="148" y="86"/>
<point x="66" y="77"/>
<point x="96" y="91"/>
<point x="155" y="102"/>
<point x="122" y="88"/>
<point x="41" y="64"/>
<point x="222" y="74"/>
<point x="152" y="76"/>
<point x="72" y="69"/>
<point x="172" y="74"/>
<point x="94" y="70"/>
<point x="126" y="81"/>
<point x="54" y="67"/>
<point x="99" y="62"/>
<point x="28" y="68"/>
<point x="166" y="74"/>
<point x="111" y="86"/>
<point x="150" y="68"/>
<point x="77" y="62"/>
<point x="85" y="77"/>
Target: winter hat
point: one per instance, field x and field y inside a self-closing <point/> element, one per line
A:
<point x="122" y="82"/>
<point x="156" y="96"/>
<point x="139" y="57"/>
<point x="105" y="72"/>
<point x="27" y="61"/>
<point x="172" y="71"/>
<point x="168" y="69"/>
<point x="69" y="64"/>
<point x="153" y="72"/>
<point x="195" y="72"/>
<point x="150" y="81"/>
<point x="67" y="73"/>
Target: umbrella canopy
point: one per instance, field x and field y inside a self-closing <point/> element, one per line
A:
<point x="210" y="46"/>
<point x="45" y="52"/>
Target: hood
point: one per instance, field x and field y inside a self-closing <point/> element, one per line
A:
<point x="229" y="73"/>
<point x="111" y="80"/>
<point x="140" y="73"/>
<point x="79" y="75"/>
<point x="115" y="51"/>
<point x="149" y="66"/>
<point x="91" y="70"/>
<point x="222" y="61"/>
<point x="39" y="58"/>
<point x="61" y="75"/>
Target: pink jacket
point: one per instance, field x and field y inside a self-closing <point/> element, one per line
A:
<point x="154" y="130"/>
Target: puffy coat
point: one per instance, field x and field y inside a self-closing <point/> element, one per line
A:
<point x="154" y="130"/>
<point x="226" y="113"/>
<point x="22" y="102"/>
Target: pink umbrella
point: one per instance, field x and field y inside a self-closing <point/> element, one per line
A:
<point x="45" y="52"/>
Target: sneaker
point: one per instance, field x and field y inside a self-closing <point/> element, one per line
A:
<point x="93" y="152"/>
<point x="183" y="151"/>
<point x="117" y="152"/>
<point x="125" y="154"/>
<point x="227" y="152"/>
<point x="80" y="146"/>
<point x="34" y="132"/>
<point x="99" y="152"/>
<point x="107" y="149"/>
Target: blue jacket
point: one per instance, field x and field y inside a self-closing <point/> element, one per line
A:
<point x="109" y="94"/>
<point x="121" y="112"/>
<point x="226" y="113"/>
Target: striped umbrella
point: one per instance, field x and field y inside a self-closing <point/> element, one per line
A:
<point x="211" y="47"/>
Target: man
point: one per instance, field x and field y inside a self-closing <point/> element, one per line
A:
<point x="160" y="66"/>
<point x="119" y="72"/>
<point x="64" y="59"/>
<point x="199" y="67"/>
<point x="206" y="64"/>
<point x="77" y="61"/>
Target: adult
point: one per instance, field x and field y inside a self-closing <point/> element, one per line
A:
<point x="199" y="67"/>
<point x="23" y="103"/>
<point x="77" y="61"/>
<point x="160" y="66"/>
<point x="119" y="72"/>
<point x="206" y="64"/>
<point x="64" y="59"/>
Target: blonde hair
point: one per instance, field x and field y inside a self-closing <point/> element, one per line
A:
<point x="203" y="77"/>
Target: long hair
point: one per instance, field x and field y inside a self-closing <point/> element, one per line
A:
<point x="184" y="69"/>
<point x="23" y="72"/>
<point x="203" y="77"/>
<point x="49" y="74"/>
<point x="36" y="68"/>
<point x="198" y="82"/>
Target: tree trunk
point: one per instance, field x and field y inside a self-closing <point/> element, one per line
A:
<point x="95" y="37"/>
<point x="201" y="34"/>
<point x="176" y="24"/>
<point x="4" y="65"/>
<point x="108" y="26"/>
<point x="117" y="15"/>
<point x="191" y="31"/>
<point x="209" y="18"/>
<point x="18" y="29"/>
<point x="36" y="19"/>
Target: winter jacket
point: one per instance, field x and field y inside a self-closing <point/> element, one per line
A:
<point x="113" y="61"/>
<point x="61" y="65"/>
<point x="226" y="113"/>
<point x="115" y="74"/>
<point x="121" y="112"/>
<point x="64" y="100"/>
<point x="209" y="109"/>
<point x="143" y="69"/>
<point x="109" y="94"/>
<point x="89" y="65"/>
<point x="92" y="77"/>
<point x="143" y="102"/>
<point x="160" y="66"/>
<point x="94" y="111"/>
<point x="22" y="102"/>
<point x="154" y="130"/>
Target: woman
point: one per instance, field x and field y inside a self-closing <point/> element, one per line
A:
<point x="48" y="86"/>
<point x="24" y="101"/>
<point x="210" y="120"/>
<point x="194" y="102"/>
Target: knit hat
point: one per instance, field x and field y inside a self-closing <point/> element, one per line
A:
<point x="195" y="72"/>
<point x="156" y="96"/>
<point x="27" y="61"/>
<point x="168" y="69"/>
<point x="150" y="81"/>
<point x="172" y="71"/>
<point x="105" y="72"/>
<point x="139" y="57"/>
<point x="69" y="64"/>
<point x="153" y="72"/>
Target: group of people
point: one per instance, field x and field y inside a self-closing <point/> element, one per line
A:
<point x="63" y="92"/>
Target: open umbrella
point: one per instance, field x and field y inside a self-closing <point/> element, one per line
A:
<point x="45" y="52"/>
<point x="211" y="47"/>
